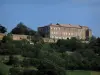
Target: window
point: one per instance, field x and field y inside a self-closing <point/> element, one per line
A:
<point x="56" y="33"/>
<point x="69" y="37"/>
<point x="63" y="38"/>
<point x="59" y="28"/>
<point x="69" y="33"/>
<point x="63" y="33"/>
<point x="52" y="36"/>
<point x="59" y="37"/>
<point x="56" y="37"/>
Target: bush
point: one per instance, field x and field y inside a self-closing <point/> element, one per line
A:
<point x="4" y="69"/>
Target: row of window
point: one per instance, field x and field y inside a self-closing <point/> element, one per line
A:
<point x="65" y="33"/>
<point x="60" y="37"/>
<point x="62" y="33"/>
<point x="55" y="28"/>
<point x="58" y="28"/>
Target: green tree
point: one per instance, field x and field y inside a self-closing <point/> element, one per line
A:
<point x="16" y="71"/>
<point x="69" y="44"/>
<point x="7" y="38"/>
<point x="36" y="38"/>
<point x="4" y="69"/>
<point x="30" y="72"/>
<point x="2" y="29"/>
<point x="48" y="67"/>
<point x="22" y="29"/>
<point x="26" y="63"/>
<point x="13" y="61"/>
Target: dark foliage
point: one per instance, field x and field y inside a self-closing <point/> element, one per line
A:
<point x="22" y="29"/>
<point x="2" y="29"/>
<point x="51" y="58"/>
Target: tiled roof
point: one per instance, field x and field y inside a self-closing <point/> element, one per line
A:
<point x="68" y="25"/>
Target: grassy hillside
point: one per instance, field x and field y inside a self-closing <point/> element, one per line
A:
<point x="82" y="73"/>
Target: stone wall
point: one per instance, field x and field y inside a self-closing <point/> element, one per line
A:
<point x="64" y="31"/>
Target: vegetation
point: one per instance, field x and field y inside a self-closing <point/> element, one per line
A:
<point x="22" y="29"/>
<point x="82" y="72"/>
<point x="47" y="58"/>
<point x="4" y="69"/>
<point x="2" y="29"/>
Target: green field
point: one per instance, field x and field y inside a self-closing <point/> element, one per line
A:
<point x="77" y="72"/>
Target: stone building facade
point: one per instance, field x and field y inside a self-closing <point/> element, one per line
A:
<point x="64" y="31"/>
<point x="19" y="37"/>
<point x="2" y="35"/>
<point x="14" y="36"/>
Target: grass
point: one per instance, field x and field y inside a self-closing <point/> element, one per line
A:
<point x="95" y="73"/>
<point x="78" y="72"/>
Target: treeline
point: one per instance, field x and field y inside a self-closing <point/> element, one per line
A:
<point x="19" y="29"/>
<point x="23" y="58"/>
<point x="22" y="29"/>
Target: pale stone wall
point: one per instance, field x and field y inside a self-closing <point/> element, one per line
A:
<point x="90" y="33"/>
<point x="61" y="31"/>
<point x="19" y="37"/>
<point x="2" y="35"/>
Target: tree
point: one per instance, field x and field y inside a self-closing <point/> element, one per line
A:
<point x="29" y="72"/>
<point x="15" y="71"/>
<point x="13" y="61"/>
<point x="36" y="38"/>
<point x="26" y="62"/>
<point x="4" y="69"/>
<point x="7" y="38"/>
<point x="48" y="67"/>
<point x="2" y="29"/>
<point x="69" y="45"/>
<point x="95" y="45"/>
<point x="22" y="29"/>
